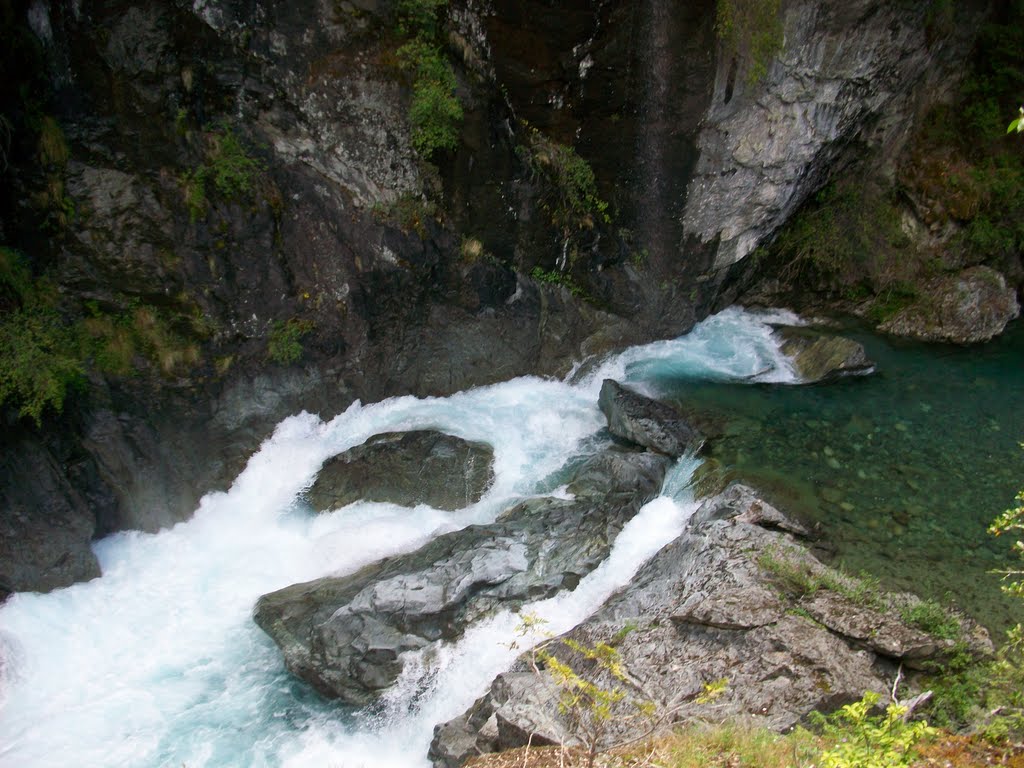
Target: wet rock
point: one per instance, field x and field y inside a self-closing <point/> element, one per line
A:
<point x="820" y="357"/>
<point x="703" y="609"/>
<point x="345" y="635"/>
<point x="406" y="468"/>
<point x="46" y="526"/>
<point x="970" y="307"/>
<point x="644" y="421"/>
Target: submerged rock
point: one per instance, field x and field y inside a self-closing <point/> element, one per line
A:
<point x="819" y="357"/>
<point x="970" y="307"/>
<point x="714" y="605"/>
<point x="345" y="635"/>
<point x="406" y="468"/>
<point x="644" y="421"/>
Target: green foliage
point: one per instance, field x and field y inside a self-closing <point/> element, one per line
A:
<point x="1016" y="125"/>
<point x="572" y="200"/>
<point x="115" y="340"/>
<point x="958" y="689"/>
<point x="284" y="345"/>
<point x="850" y="233"/>
<point x="227" y="167"/>
<point x="798" y="575"/>
<point x="40" y="359"/>
<point x="552" y="277"/>
<point x="862" y="740"/>
<point x="751" y="30"/>
<point x="435" y="112"/>
<point x="420" y="17"/>
<point x="588" y="705"/>
<point x="930" y="617"/>
<point x="1009" y="521"/>
<point x="15" y="278"/>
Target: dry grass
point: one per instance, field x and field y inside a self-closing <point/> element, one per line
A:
<point x="745" y="746"/>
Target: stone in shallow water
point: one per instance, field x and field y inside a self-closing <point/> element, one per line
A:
<point x="406" y="468"/>
<point x="820" y="357"/>
<point x="644" y="421"/>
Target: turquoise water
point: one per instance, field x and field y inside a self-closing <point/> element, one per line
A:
<point x="903" y="470"/>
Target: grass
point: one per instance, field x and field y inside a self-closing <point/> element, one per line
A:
<point x="799" y="576"/>
<point x="284" y="344"/>
<point x="227" y="169"/>
<point x="928" y="616"/>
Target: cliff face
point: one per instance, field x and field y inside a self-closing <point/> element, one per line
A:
<point x="240" y="180"/>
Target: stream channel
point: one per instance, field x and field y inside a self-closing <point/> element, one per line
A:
<point x="158" y="662"/>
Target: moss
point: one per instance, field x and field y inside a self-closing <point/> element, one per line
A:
<point x="752" y="31"/>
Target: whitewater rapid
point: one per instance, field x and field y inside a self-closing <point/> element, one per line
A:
<point x="158" y="662"/>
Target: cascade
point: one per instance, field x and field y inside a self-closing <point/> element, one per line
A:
<point x="158" y="663"/>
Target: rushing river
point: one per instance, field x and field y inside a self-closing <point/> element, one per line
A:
<point x="158" y="663"/>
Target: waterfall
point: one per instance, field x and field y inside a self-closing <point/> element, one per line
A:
<point x="158" y="663"/>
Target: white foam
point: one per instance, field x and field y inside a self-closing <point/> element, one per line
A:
<point x="158" y="663"/>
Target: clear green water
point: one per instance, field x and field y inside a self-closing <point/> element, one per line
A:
<point x="903" y="470"/>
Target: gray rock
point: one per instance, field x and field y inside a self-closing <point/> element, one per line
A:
<point x="967" y="308"/>
<point x="644" y="421"/>
<point x="45" y="524"/>
<point x="345" y="634"/>
<point x="822" y="357"/>
<point x="701" y="610"/>
<point x="766" y="146"/>
<point x="406" y="468"/>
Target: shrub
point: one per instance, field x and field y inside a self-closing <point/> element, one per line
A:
<point x="861" y="740"/>
<point x="571" y="199"/>
<point x="930" y="617"/>
<point x="227" y="166"/>
<point x="435" y="112"/>
<point x="40" y="360"/>
<point x="284" y="345"/>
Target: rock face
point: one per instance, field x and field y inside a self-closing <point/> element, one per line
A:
<point x="41" y="547"/>
<point x="707" y="607"/>
<point x="340" y="228"/>
<point x="820" y="357"/>
<point x="406" y="468"/>
<point x="344" y="635"/>
<point x="967" y="308"/>
<point x="847" y="69"/>
<point x="644" y="421"/>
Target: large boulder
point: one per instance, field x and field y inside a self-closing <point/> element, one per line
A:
<point x="822" y="357"/>
<point x="716" y="604"/>
<point x="406" y="468"/>
<point x="644" y="421"/>
<point x="972" y="306"/>
<point x="345" y="635"/>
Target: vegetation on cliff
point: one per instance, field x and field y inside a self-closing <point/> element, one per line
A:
<point x="879" y="244"/>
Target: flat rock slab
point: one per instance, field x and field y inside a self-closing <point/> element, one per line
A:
<point x="821" y="357"/>
<point x="644" y="421"/>
<point x="406" y="468"/>
<point x="346" y="635"/>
